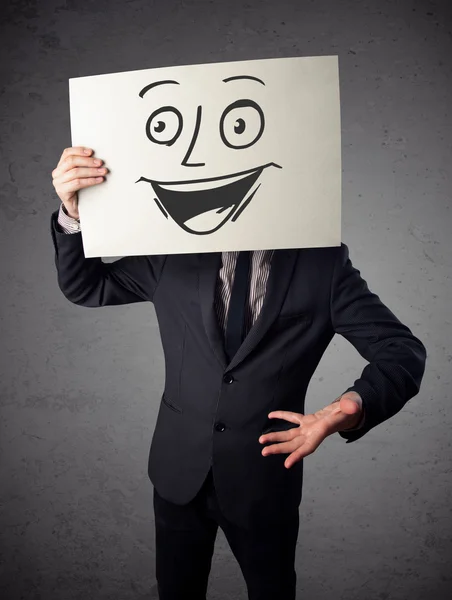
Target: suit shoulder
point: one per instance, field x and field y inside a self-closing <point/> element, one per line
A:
<point x="333" y="254"/>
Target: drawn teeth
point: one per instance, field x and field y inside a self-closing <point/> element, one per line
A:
<point x="195" y="186"/>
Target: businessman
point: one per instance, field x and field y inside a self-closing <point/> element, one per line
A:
<point x="242" y="334"/>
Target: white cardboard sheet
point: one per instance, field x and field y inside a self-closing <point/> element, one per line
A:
<point x="217" y="157"/>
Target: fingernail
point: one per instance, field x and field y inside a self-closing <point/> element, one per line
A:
<point x="97" y="162"/>
<point x="87" y="151"/>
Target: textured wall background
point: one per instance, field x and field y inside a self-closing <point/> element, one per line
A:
<point x="80" y="388"/>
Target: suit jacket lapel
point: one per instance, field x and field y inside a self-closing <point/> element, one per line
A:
<point x="209" y="266"/>
<point x="281" y="270"/>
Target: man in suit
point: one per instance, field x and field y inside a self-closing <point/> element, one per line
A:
<point x="242" y="335"/>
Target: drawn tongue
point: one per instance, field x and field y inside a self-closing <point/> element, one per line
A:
<point x="209" y="220"/>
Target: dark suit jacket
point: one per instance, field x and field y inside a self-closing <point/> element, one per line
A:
<point x="213" y="412"/>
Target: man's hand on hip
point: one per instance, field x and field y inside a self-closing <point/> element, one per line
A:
<point x="344" y="413"/>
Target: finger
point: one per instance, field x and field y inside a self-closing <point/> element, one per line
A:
<point x="73" y="161"/>
<point x="82" y="172"/>
<point x="350" y="406"/>
<point x="286" y="415"/>
<point x="81" y="150"/>
<point x="297" y="455"/>
<point x="283" y="448"/>
<point x="78" y="184"/>
<point x="279" y="436"/>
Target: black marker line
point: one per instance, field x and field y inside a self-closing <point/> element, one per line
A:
<point x="271" y="164"/>
<point x="155" y="84"/>
<point x="164" y="109"/>
<point x="245" y="103"/>
<point x="243" y="77"/>
<point x="244" y="205"/>
<point x="165" y="214"/>
<point x="193" y="142"/>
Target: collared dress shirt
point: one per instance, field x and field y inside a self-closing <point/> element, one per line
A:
<point x="258" y="278"/>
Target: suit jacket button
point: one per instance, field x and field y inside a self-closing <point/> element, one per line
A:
<point x="220" y="427"/>
<point x="228" y="378"/>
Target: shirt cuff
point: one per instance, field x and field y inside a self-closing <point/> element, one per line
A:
<point x="68" y="224"/>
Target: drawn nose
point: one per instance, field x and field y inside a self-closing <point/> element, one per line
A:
<point x="185" y="162"/>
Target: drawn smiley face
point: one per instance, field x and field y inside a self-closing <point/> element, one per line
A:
<point x="222" y="198"/>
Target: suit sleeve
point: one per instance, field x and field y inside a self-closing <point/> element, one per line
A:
<point x="396" y="357"/>
<point x="92" y="283"/>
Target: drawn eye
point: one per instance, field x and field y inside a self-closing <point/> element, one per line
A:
<point x="242" y="124"/>
<point x="164" y="126"/>
<point x="239" y="126"/>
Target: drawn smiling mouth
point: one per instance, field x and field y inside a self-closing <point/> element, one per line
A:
<point x="202" y="206"/>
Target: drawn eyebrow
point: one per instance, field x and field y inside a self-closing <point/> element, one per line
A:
<point x="243" y="77"/>
<point x="155" y="84"/>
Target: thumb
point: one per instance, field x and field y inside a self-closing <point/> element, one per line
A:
<point x="351" y="403"/>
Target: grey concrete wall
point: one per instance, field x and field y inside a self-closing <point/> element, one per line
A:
<point x="80" y="388"/>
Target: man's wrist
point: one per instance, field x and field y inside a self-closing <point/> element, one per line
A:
<point x="64" y="209"/>
<point x="67" y="223"/>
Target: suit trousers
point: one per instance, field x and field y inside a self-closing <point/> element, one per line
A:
<point x="185" y="539"/>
